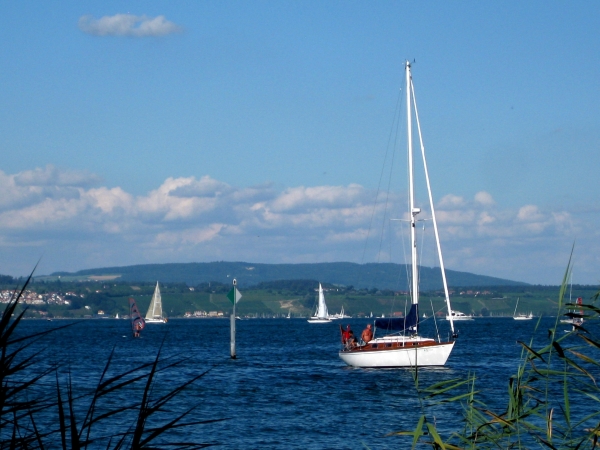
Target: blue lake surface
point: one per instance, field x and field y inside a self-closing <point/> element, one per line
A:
<point x="288" y="388"/>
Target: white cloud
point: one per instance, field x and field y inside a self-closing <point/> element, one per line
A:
<point x="54" y="177"/>
<point x="190" y="236"/>
<point x="484" y="198"/>
<point x="55" y="212"/>
<point x="451" y="200"/>
<point x="324" y="196"/>
<point x="128" y="25"/>
<point x="529" y="213"/>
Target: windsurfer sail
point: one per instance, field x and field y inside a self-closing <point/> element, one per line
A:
<point x="137" y="321"/>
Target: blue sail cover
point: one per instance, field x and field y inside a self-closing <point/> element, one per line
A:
<point x="409" y="323"/>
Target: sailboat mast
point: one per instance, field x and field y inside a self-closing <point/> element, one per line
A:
<point x="411" y="186"/>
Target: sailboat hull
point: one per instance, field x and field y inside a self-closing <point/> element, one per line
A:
<point x="405" y="353"/>
<point x="156" y="320"/>
<point x="318" y="320"/>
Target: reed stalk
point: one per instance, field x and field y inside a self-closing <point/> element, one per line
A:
<point x="35" y="417"/>
<point x="538" y="412"/>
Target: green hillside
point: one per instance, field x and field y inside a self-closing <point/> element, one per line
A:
<point x="372" y="275"/>
<point x="277" y="298"/>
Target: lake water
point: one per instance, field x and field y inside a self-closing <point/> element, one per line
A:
<point x="288" y="388"/>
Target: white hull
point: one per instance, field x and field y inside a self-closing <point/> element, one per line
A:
<point x="318" y="320"/>
<point x="457" y="315"/>
<point x="528" y="317"/>
<point x="155" y="320"/>
<point x="571" y="321"/>
<point x="433" y="354"/>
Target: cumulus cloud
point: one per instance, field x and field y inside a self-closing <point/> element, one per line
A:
<point x="484" y="198"/>
<point x="300" y="198"/>
<point x="128" y="25"/>
<point x="52" y="176"/>
<point x="529" y="213"/>
<point x="200" y="219"/>
<point x="451" y="201"/>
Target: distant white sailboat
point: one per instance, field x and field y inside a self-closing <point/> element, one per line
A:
<point x="155" y="312"/>
<point x="321" y="314"/>
<point x="574" y="318"/>
<point x="521" y="316"/>
<point x="341" y="315"/>
<point x="457" y="315"/>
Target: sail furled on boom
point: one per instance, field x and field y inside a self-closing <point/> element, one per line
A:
<point x="410" y="323"/>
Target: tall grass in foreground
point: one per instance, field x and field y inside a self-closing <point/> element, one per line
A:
<point x="538" y="411"/>
<point x="34" y="416"/>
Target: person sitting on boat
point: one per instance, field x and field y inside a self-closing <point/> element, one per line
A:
<point x="367" y="334"/>
<point x="345" y="333"/>
<point x="348" y="338"/>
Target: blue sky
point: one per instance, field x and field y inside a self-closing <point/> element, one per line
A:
<point x="149" y="132"/>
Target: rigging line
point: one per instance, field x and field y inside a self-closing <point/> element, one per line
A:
<point x="437" y="331"/>
<point x="420" y="266"/>
<point x="395" y="120"/>
<point x="385" y="208"/>
<point x="404" y="254"/>
<point x="390" y="239"/>
<point x="387" y="197"/>
<point x="433" y="216"/>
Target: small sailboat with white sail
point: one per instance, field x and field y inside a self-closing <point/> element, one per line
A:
<point x="402" y="345"/>
<point x="321" y="314"/>
<point x="521" y="316"/>
<point x="155" y="310"/>
<point x="341" y="315"/>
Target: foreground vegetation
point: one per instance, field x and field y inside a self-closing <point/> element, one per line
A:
<point x="553" y="397"/>
<point x="41" y="407"/>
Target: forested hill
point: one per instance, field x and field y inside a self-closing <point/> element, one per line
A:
<point x="372" y="275"/>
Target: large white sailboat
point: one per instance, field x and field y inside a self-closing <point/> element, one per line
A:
<point x="402" y="345"/>
<point x="321" y="314"/>
<point x="155" y="312"/>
